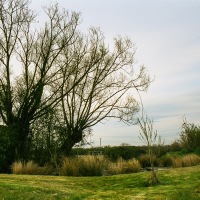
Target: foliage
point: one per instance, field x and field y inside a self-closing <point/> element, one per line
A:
<point x="125" y="152"/>
<point x="145" y="160"/>
<point x="190" y="136"/>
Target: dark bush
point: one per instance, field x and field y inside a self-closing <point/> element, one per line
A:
<point x="145" y="161"/>
<point x="125" y="152"/>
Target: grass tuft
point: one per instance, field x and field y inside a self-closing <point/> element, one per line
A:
<point x="133" y="166"/>
<point x="92" y="165"/>
<point x="69" y="167"/>
<point x="185" y="161"/>
<point x="31" y="168"/>
<point x="17" y="167"/>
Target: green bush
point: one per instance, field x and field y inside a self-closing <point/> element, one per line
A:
<point x="125" y="152"/>
<point x="145" y="160"/>
<point x="190" y="136"/>
<point x="165" y="161"/>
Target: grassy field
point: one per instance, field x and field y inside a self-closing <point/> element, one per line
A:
<point x="180" y="183"/>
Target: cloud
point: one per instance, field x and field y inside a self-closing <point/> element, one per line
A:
<point x="166" y="34"/>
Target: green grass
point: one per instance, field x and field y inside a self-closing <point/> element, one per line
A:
<point x="180" y="183"/>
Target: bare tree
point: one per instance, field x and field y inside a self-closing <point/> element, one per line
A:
<point x="40" y="56"/>
<point x="105" y="92"/>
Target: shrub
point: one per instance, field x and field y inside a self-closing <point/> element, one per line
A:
<point x="145" y="160"/>
<point x="190" y="136"/>
<point x="125" y="152"/>
<point x="165" y="161"/>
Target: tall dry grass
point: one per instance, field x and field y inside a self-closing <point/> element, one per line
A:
<point x="176" y="162"/>
<point x="122" y="166"/>
<point x="190" y="160"/>
<point x="117" y="167"/>
<point x="30" y="168"/>
<point x="17" y="167"/>
<point x="88" y="165"/>
<point x="92" y="165"/>
<point x="185" y="161"/>
<point x="133" y="166"/>
<point x="69" y="167"/>
<point x="20" y="167"/>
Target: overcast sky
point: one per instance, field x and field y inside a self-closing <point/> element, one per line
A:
<point x="167" y="36"/>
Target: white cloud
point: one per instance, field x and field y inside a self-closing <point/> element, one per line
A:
<point x="166" y="34"/>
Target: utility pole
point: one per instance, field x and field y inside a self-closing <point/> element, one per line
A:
<point x="100" y="142"/>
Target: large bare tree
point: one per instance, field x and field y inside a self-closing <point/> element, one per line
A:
<point x="105" y="92"/>
<point x="39" y="54"/>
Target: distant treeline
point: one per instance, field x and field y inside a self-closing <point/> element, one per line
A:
<point x="127" y="152"/>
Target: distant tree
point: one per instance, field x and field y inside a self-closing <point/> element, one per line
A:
<point x="125" y="144"/>
<point x="190" y="136"/>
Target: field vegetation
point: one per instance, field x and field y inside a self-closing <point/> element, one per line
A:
<point x="174" y="184"/>
<point x="90" y="165"/>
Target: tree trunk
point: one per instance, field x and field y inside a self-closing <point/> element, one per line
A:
<point x="22" y="148"/>
<point x="70" y="141"/>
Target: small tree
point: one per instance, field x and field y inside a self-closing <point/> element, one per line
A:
<point x="190" y="136"/>
<point x="149" y="137"/>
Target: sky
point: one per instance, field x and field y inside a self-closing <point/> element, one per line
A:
<point x="167" y="37"/>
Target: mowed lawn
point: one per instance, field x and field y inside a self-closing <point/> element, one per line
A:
<point x="180" y="183"/>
